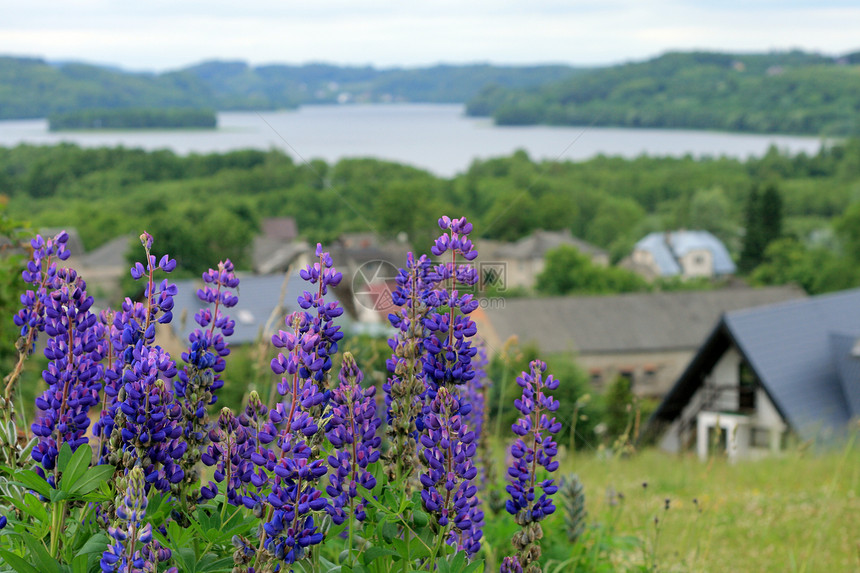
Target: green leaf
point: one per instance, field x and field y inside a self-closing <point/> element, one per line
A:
<point x="91" y="480"/>
<point x="75" y="468"/>
<point x="17" y="563"/>
<point x="64" y="456"/>
<point x="95" y="544"/>
<point x="32" y="480"/>
<point x="58" y="495"/>
<point x="443" y="566"/>
<point x="475" y="566"/>
<point x="79" y="564"/>
<point x="40" y="555"/>
<point x="370" y="555"/>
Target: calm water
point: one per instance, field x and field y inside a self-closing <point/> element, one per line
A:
<point x="435" y="137"/>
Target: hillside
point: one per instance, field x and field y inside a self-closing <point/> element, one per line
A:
<point x="31" y="87"/>
<point x="790" y="92"/>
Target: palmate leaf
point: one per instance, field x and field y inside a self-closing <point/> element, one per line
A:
<point x="91" y="479"/>
<point x="32" y="480"/>
<point x="74" y="469"/>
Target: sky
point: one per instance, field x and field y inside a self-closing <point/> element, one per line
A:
<point x="159" y="35"/>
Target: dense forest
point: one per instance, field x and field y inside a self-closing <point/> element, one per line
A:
<point x="792" y="92"/>
<point x="209" y="206"/>
<point x="34" y="88"/>
<point x="133" y="119"/>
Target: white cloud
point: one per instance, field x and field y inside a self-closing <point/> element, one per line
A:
<point x="164" y="34"/>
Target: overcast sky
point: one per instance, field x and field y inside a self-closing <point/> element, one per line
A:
<point x="168" y="34"/>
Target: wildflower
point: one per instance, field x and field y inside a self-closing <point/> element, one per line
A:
<point x="200" y="379"/>
<point x="41" y="273"/>
<point x="133" y="549"/>
<point x="229" y="451"/>
<point x="406" y="384"/>
<point x="449" y="447"/>
<point x="143" y="425"/>
<point x="535" y="447"/>
<point x="351" y="429"/>
<point x="74" y="372"/>
<point x="448" y="345"/>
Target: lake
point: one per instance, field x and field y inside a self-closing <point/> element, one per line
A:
<point x="439" y="138"/>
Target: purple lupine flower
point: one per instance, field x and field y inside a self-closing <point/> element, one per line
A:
<point x="448" y="443"/>
<point x="321" y="322"/>
<point x="228" y="452"/>
<point x="295" y="499"/>
<point x="534" y="447"/>
<point x="133" y="549"/>
<point x="448" y="344"/>
<point x="351" y="429"/>
<point x="199" y="380"/>
<point x="143" y="424"/>
<point x="404" y="388"/>
<point x="474" y="393"/>
<point x="74" y="372"/>
<point x="41" y="273"/>
<point x="205" y="356"/>
<point x="511" y="565"/>
<point x="257" y="455"/>
<point x="448" y="449"/>
<point x="3" y="521"/>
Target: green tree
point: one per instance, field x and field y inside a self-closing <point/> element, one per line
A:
<point x="754" y="239"/>
<point x="568" y="271"/>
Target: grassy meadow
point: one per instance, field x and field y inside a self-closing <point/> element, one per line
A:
<point x="797" y="512"/>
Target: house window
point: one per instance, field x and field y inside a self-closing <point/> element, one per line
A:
<point x="596" y="376"/>
<point x="699" y="260"/>
<point x="760" y="438"/>
<point x="747" y="384"/>
<point x="626" y="372"/>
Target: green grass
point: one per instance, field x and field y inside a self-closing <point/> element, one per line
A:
<point x="796" y="512"/>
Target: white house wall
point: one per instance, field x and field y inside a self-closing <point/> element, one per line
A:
<point x="725" y="375"/>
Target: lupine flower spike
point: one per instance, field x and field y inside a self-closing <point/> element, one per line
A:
<point x="40" y="274"/>
<point x="535" y="447"/>
<point x="133" y="550"/>
<point x="198" y="382"/>
<point x="406" y="384"/>
<point x="143" y="425"/>
<point x="74" y="371"/>
<point x="351" y="429"/>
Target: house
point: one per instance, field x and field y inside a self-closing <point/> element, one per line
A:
<point x="522" y="261"/>
<point x="104" y="267"/>
<point x="646" y="337"/>
<point x="278" y="247"/>
<point x="264" y="303"/>
<point x="687" y="254"/>
<point x="792" y="367"/>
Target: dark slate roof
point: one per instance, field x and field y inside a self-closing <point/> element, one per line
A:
<point x="791" y="347"/>
<point x="844" y="349"/>
<point x="282" y="229"/>
<point x="625" y="323"/>
<point x="259" y="296"/>
<point x="667" y="248"/>
<point x="112" y="253"/>
<point x="536" y="245"/>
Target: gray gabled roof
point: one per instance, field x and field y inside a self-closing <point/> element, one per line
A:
<point x="844" y="350"/>
<point x="668" y="247"/>
<point x="536" y="245"/>
<point x="259" y="299"/>
<point x="624" y="323"/>
<point x="791" y="348"/>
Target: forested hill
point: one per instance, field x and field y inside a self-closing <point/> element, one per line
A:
<point x="31" y="87"/>
<point x="788" y="92"/>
